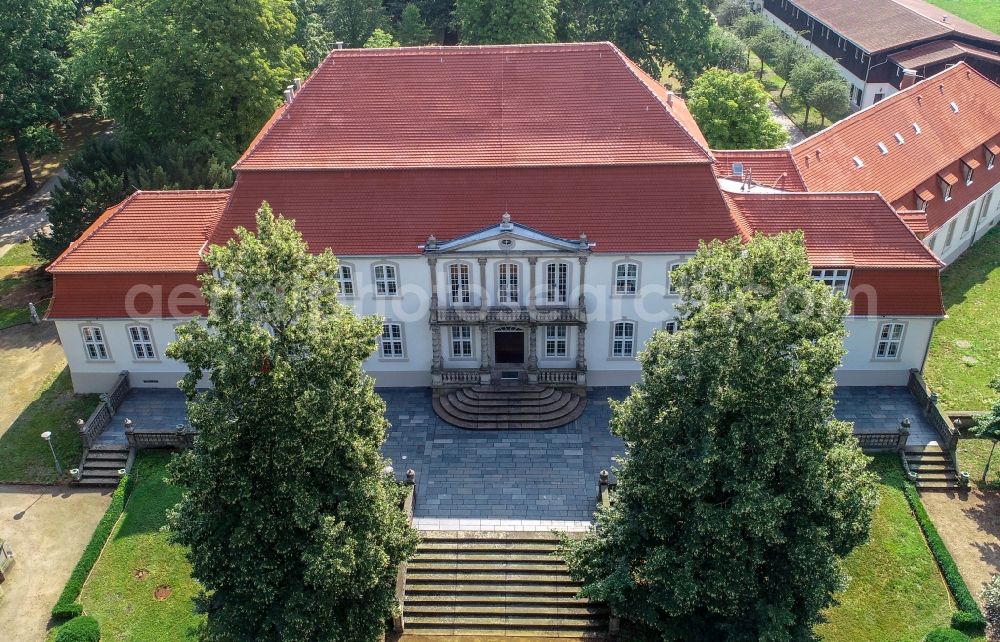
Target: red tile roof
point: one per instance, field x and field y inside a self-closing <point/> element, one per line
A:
<point x="877" y="25"/>
<point x="147" y="232"/>
<point x="510" y="105"/>
<point x="113" y="295"/>
<point x="841" y="230"/>
<point x="770" y="167"/>
<point x="825" y="160"/>
<point x="939" y="51"/>
<point x="652" y="208"/>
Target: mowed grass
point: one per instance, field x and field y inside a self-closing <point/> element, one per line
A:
<point x="22" y="281"/>
<point x="20" y="254"/>
<point x="896" y="593"/>
<point x="972" y="457"/>
<point x="117" y="593"/>
<point x="965" y="350"/>
<point x="985" y="13"/>
<point x="24" y="455"/>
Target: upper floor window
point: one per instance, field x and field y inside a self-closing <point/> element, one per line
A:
<point x="623" y="339"/>
<point x="461" y="341"/>
<point x="345" y="278"/>
<point x="945" y="187"/>
<point x="386" y="283"/>
<point x="507" y="287"/>
<point x="556" y="282"/>
<point x="671" y="326"/>
<point x="555" y="341"/>
<point x="890" y="340"/>
<point x="142" y="342"/>
<point x="671" y="285"/>
<point x="391" y="342"/>
<point x="951" y="233"/>
<point x="626" y="278"/>
<point x="836" y="279"/>
<point x="458" y="277"/>
<point x="94" y="344"/>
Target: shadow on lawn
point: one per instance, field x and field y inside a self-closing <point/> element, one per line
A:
<point x="146" y="511"/>
<point x="972" y="268"/>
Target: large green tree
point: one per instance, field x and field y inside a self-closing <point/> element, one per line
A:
<point x="653" y="33"/>
<point x="726" y="50"/>
<point x="731" y="110"/>
<point x="353" y="21"/>
<point x="33" y="40"/>
<point x="412" y="30"/>
<point x="295" y="530"/>
<point x="189" y="70"/>
<point x="108" y="169"/>
<point x="497" y="22"/>
<point x="807" y="74"/>
<point x="740" y="492"/>
<point x="988" y="427"/>
<point x="832" y="99"/>
<point x="311" y="34"/>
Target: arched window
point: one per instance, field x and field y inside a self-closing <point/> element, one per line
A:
<point x="391" y="342"/>
<point x="94" y="345"/>
<point x="386" y="280"/>
<point x="141" y="339"/>
<point x="623" y="340"/>
<point x="626" y="278"/>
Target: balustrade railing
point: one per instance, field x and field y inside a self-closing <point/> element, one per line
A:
<point x="181" y="437"/>
<point x="553" y="376"/>
<point x="460" y="376"/>
<point x="92" y="428"/>
<point x="507" y="315"/>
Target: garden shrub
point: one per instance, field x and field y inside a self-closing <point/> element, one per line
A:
<point x="67" y="607"/>
<point x="969" y="619"/>
<point x="946" y="635"/>
<point x="80" y="629"/>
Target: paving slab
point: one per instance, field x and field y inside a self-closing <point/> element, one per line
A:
<point x="47" y="527"/>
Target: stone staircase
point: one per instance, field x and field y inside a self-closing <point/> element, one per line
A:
<point x="496" y="584"/>
<point x="510" y="407"/>
<point x="934" y="468"/>
<point x="102" y="463"/>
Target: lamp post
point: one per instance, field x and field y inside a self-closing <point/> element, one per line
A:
<point x="47" y="436"/>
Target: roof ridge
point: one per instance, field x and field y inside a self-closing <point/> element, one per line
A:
<point x="635" y="70"/>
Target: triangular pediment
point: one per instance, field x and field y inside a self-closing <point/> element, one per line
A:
<point x="506" y="235"/>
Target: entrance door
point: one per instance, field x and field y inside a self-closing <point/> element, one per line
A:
<point x="508" y="346"/>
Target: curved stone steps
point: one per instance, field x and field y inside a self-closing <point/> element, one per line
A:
<point x="509" y="407"/>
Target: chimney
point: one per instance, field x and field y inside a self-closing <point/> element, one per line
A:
<point x="288" y="95"/>
<point x="670" y="99"/>
<point x="909" y="78"/>
<point x="297" y="84"/>
<point x="340" y="44"/>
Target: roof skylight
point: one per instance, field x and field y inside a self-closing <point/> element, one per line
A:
<point x="954" y="106"/>
<point x="882" y="148"/>
<point x="858" y="162"/>
<point x="916" y="128"/>
<point x="899" y="138"/>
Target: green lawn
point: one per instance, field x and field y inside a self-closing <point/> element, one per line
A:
<point x="24" y="455"/>
<point x="965" y="350"/>
<point x="125" y="605"/>
<point x="896" y="593"/>
<point x="985" y="13"/>
<point x="22" y="281"/>
<point x="972" y="456"/>
<point x="20" y="254"/>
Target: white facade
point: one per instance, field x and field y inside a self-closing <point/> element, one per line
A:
<point x="965" y="228"/>
<point x="589" y="315"/>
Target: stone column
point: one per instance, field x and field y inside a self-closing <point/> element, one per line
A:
<point x="483" y="294"/>
<point x="532" y="260"/>
<point x="532" y="356"/>
<point x="484" y="328"/>
<point x="581" y="330"/>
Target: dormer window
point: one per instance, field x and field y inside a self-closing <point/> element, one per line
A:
<point x="858" y="162"/>
<point x="923" y="198"/>
<point x="954" y="107"/>
<point x="991" y="156"/>
<point x="899" y="138"/>
<point x="946" y="181"/>
<point x="916" y="129"/>
<point x="882" y="148"/>
<point x="969" y="166"/>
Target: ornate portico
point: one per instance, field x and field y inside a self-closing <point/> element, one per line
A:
<point x="510" y="288"/>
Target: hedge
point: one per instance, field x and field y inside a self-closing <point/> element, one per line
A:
<point x="67" y="606"/>
<point x="80" y="629"/>
<point x="969" y="619"/>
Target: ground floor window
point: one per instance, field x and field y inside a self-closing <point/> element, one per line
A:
<point x="623" y="339"/>
<point x="461" y="341"/>
<point x="392" y="341"/>
<point x="890" y="341"/>
<point x="142" y="342"/>
<point x="555" y="341"/>
<point x="671" y="326"/>
<point x="93" y="343"/>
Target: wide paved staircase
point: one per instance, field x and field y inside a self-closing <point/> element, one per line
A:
<point x="101" y="466"/>
<point x="510" y="407"/>
<point x="494" y="584"/>
<point x="934" y="468"/>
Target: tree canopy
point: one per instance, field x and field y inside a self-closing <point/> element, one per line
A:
<point x="353" y="21"/>
<point x="988" y="427"/>
<point x="740" y="491"/>
<point x="380" y="40"/>
<point x="412" y="29"/>
<point x="726" y="50"/>
<point x="831" y="98"/>
<point x="295" y="530"/>
<point x="809" y="73"/>
<point x="731" y="110"/>
<point x="190" y="70"/>
<point x="33" y="41"/>
<point x="490" y="22"/>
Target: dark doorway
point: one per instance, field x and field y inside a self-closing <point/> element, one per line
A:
<point x="509" y="345"/>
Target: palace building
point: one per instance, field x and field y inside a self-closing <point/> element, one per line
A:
<point x="514" y="214"/>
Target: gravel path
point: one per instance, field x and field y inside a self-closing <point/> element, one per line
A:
<point x="794" y="133"/>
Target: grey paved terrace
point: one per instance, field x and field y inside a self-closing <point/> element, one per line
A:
<point x="499" y="476"/>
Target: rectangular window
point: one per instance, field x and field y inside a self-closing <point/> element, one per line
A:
<point x="951" y="233"/>
<point x="459" y="277"/>
<point x="672" y="326"/>
<point x="556" y="282"/>
<point x="93" y="343"/>
<point x="385" y="280"/>
<point x="391" y="343"/>
<point x="461" y="341"/>
<point x="991" y="159"/>
<point x="555" y="341"/>
<point x="890" y="341"/>
<point x="968" y="220"/>
<point x="945" y="189"/>
<point x="968" y="171"/>
<point x="836" y="279"/>
<point x="142" y="342"/>
<point x="671" y="286"/>
<point x="626" y="278"/>
<point x="345" y="277"/>
<point x="507" y="290"/>
<point x="623" y="339"/>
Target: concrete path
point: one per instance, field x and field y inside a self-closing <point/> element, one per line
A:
<point x="47" y="527"/>
<point x="21" y="222"/>
<point x="29" y="354"/>
<point x="794" y="133"/>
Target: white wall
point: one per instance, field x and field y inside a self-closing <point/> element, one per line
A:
<point x="977" y="218"/>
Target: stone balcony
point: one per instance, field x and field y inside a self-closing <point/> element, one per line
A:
<point x="509" y="314"/>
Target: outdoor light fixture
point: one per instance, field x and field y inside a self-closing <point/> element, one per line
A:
<point x="47" y="436"/>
